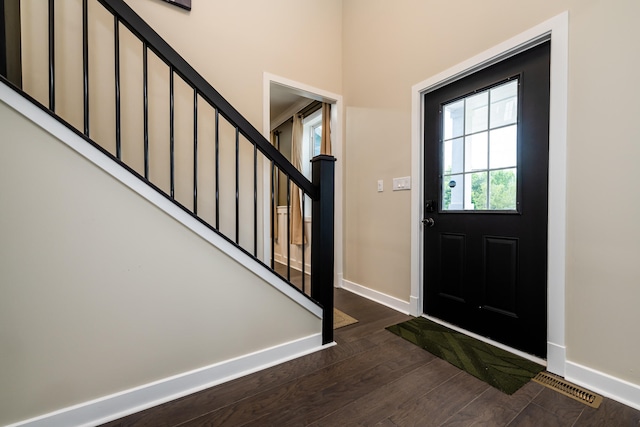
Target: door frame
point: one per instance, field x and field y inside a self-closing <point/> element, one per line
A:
<point x="555" y="29"/>
<point x="336" y="149"/>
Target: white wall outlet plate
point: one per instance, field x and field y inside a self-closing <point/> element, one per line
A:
<point x="403" y="183"/>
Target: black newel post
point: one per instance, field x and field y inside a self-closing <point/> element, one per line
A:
<point x="322" y="245"/>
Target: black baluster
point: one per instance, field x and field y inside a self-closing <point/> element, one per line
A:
<point x="195" y="151"/>
<point x="171" y="134"/>
<point x="273" y="213"/>
<point x="217" y="160"/>
<point x="52" y="57"/>
<point x="116" y="49"/>
<point x="237" y="186"/>
<point x="255" y="200"/>
<point x="85" y="63"/>
<point x="145" y="94"/>
<point x="288" y="242"/>
<point x="303" y="245"/>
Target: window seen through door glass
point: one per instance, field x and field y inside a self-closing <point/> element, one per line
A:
<point x="480" y="150"/>
<point x="316" y="138"/>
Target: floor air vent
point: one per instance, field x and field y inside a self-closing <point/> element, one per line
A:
<point x="562" y="386"/>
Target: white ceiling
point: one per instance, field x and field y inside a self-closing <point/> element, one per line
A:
<point x="282" y="98"/>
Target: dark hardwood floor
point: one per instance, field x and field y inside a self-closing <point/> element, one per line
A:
<point x="295" y="277"/>
<point x="374" y="378"/>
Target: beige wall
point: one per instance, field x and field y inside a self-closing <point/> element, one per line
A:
<point x="390" y="46"/>
<point x="231" y="45"/>
<point x="103" y="292"/>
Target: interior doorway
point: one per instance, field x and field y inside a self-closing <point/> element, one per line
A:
<point x="283" y="98"/>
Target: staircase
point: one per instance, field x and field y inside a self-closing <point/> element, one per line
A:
<point x="121" y="90"/>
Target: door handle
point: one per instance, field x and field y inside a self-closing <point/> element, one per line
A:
<point x="428" y="222"/>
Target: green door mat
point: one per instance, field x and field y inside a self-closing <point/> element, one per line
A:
<point x="498" y="368"/>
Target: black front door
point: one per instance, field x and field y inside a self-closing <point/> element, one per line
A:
<point x="485" y="215"/>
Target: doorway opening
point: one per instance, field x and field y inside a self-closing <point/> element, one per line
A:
<point x="282" y="99"/>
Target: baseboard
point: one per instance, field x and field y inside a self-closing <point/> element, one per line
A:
<point x="283" y="261"/>
<point x="379" y="297"/>
<point x="414" y="304"/>
<point x="556" y="358"/>
<point x="614" y="388"/>
<point x="128" y="402"/>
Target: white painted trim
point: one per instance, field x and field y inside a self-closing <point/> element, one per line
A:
<point x="337" y="150"/>
<point x="556" y="29"/>
<point x="71" y="139"/>
<point x="556" y="357"/>
<point x="604" y="384"/>
<point x="376" y="296"/>
<point x="112" y="407"/>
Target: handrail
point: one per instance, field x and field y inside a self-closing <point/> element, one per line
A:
<point x="320" y="190"/>
<point x="139" y="27"/>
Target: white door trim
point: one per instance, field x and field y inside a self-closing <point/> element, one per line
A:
<point x="555" y="29"/>
<point x="336" y="142"/>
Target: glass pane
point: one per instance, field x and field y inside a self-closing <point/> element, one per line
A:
<point x="503" y="189"/>
<point x="476" y="152"/>
<point x="452" y="192"/>
<point x="453" y="156"/>
<point x="453" y="120"/>
<point x="477" y="113"/>
<point x="504" y="147"/>
<point x="504" y="104"/>
<point x="317" y="140"/>
<point x="475" y="185"/>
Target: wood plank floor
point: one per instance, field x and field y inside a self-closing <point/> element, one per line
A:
<point x="374" y="378"/>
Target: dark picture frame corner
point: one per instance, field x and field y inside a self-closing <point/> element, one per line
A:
<point x="185" y="4"/>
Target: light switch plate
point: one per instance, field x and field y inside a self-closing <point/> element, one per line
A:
<point x="403" y="183"/>
<point x="380" y="186"/>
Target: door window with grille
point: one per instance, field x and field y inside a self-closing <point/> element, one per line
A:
<point x="480" y="150"/>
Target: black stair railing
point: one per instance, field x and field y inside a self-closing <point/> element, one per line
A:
<point x="320" y="190"/>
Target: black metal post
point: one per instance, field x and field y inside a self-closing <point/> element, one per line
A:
<point x="116" y="50"/>
<point x="275" y="183"/>
<point x="303" y="242"/>
<point x="288" y="242"/>
<point x="171" y="133"/>
<point x="3" y="42"/>
<point x="255" y="200"/>
<point x="322" y="240"/>
<point x="237" y="186"/>
<point x="52" y="57"/>
<point x="145" y="96"/>
<point x="195" y="151"/>
<point x="85" y="63"/>
<point x="217" y="161"/>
